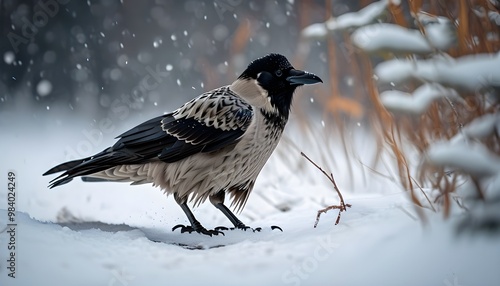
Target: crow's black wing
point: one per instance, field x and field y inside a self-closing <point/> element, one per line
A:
<point x="212" y="121"/>
<point x="145" y="141"/>
<point x="206" y="124"/>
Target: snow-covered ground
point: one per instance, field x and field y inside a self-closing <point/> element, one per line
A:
<point x="116" y="234"/>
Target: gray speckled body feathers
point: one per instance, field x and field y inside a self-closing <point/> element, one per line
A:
<point x="232" y="169"/>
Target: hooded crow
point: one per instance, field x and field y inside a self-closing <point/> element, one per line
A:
<point x="213" y="145"/>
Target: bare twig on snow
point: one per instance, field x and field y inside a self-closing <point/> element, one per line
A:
<point x="342" y="207"/>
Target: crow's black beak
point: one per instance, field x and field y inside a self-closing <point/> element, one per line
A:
<point x="298" y="77"/>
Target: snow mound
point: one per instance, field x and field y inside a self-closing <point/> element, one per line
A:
<point x="373" y="238"/>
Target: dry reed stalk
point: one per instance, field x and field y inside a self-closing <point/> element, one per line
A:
<point x="443" y="119"/>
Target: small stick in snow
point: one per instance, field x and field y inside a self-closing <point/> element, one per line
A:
<point x="342" y="207"/>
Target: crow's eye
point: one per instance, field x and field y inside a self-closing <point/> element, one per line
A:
<point x="278" y="73"/>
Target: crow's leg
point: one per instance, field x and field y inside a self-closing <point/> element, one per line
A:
<point x="195" y="224"/>
<point x="218" y="201"/>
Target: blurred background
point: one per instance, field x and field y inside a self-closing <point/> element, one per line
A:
<point x="93" y="57"/>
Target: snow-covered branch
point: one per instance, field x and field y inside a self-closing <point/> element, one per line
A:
<point x="470" y="73"/>
<point x="352" y="20"/>
<point x="419" y="101"/>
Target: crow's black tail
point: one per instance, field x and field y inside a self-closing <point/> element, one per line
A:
<point x="99" y="162"/>
<point x="138" y="145"/>
<point x="65" y="166"/>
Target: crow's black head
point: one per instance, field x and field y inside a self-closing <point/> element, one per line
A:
<point x="269" y="83"/>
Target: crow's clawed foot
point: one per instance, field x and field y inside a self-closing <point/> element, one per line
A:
<point x="245" y="228"/>
<point x="257" y="229"/>
<point x="273" y="227"/>
<point x="242" y="227"/>
<point x="198" y="229"/>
